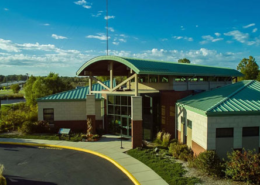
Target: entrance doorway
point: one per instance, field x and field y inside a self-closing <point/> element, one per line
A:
<point x="119" y="115"/>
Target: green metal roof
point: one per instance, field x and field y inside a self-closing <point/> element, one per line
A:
<point x="239" y="98"/>
<point x="141" y="66"/>
<point x="78" y="94"/>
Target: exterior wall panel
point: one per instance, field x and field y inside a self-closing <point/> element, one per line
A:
<point x="236" y="122"/>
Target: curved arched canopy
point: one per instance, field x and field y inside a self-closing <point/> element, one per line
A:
<point x="99" y="67"/>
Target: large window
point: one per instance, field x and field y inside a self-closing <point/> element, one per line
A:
<point x="250" y="131"/>
<point x="189" y="124"/>
<point x="224" y="132"/>
<point x="48" y="115"/>
<point x="119" y="114"/>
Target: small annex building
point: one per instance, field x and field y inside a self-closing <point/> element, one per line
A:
<point x="221" y="119"/>
<point x="68" y="109"/>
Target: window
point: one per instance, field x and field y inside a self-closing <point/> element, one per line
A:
<point x="164" y="79"/>
<point x="224" y="132"/>
<point x="48" y="115"/>
<point x="143" y="78"/>
<point x="189" y="124"/>
<point x="182" y="120"/>
<point x="153" y="79"/>
<point x="250" y="131"/>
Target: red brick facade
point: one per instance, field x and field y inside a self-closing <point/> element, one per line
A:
<point x="75" y="126"/>
<point x="137" y="133"/>
<point x="78" y="126"/>
<point x="168" y="101"/>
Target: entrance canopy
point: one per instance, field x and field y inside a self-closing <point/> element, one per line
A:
<point x="99" y="66"/>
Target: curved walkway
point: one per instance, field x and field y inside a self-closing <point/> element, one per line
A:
<point x="110" y="147"/>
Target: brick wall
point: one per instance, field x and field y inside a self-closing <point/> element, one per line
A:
<point x="168" y="101"/>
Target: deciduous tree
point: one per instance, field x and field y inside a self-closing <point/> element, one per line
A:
<point x="184" y="60"/>
<point x="249" y="68"/>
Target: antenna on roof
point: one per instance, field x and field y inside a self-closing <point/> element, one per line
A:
<point x="107" y="26"/>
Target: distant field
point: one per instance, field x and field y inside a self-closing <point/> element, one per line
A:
<point x="9" y="92"/>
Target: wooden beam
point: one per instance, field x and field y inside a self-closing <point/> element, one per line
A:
<point x="115" y="92"/>
<point x="124" y="82"/>
<point x="90" y="84"/>
<point x="136" y="85"/>
<point x="99" y="82"/>
<point x="111" y="74"/>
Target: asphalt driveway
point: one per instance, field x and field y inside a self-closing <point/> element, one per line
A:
<point x="51" y="166"/>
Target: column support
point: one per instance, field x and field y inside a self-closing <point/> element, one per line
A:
<point x="136" y="85"/>
<point x="137" y="121"/>
<point x="91" y="110"/>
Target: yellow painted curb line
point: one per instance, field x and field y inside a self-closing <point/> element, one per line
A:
<point x="128" y="174"/>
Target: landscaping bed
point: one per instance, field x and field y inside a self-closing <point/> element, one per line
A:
<point x="73" y="138"/>
<point x="172" y="172"/>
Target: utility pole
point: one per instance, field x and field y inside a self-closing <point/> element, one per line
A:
<point x="107" y="27"/>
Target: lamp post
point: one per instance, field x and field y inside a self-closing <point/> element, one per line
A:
<point x="121" y="128"/>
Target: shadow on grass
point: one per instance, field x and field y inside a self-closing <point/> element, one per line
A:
<point x="15" y="180"/>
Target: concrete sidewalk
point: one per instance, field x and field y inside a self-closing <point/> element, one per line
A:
<point x="109" y="146"/>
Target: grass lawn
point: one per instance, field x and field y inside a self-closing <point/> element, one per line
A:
<point x="169" y="170"/>
<point x="10" y="92"/>
<point x="75" y="138"/>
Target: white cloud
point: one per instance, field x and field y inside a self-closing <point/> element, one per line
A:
<point x="6" y="9"/>
<point x="99" y="36"/>
<point x="218" y="39"/>
<point x="237" y="35"/>
<point x="115" y="43"/>
<point x="184" y="38"/>
<point x="122" y="40"/>
<point x="218" y="34"/>
<point x="109" y="17"/>
<point x="110" y="29"/>
<point x="249" y="25"/>
<point x="209" y="38"/>
<point x="83" y="3"/>
<point x="243" y="37"/>
<point x="163" y="39"/>
<point x="46" y="24"/>
<point x="123" y="35"/>
<point x="80" y="2"/>
<point x="254" y="30"/>
<point x="86" y="6"/>
<point x="58" y="36"/>
<point x="98" y="14"/>
<point x="8" y="46"/>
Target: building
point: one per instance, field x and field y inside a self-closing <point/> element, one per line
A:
<point x="222" y="119"/>
<point x="146" y="104"/>
<point x="68" y="109"/>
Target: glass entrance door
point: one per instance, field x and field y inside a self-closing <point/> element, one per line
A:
<point x="126" y="126"/>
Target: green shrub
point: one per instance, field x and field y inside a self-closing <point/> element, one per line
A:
<point x="41" y="127"/>
<point x="180" y="151"/>
<point x="208" y="162"/>
<point x="27" y="127"/>
<point x="2" y="179"/>
<point x="243" y="166"/>
<point x="166" y="139"/>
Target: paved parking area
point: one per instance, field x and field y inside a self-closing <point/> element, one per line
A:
<point x="51" y="166"/>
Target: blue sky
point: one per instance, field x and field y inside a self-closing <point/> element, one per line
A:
<point x="38" y="37"/>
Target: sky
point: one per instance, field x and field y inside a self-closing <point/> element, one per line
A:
<point x="38" y="37"/>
